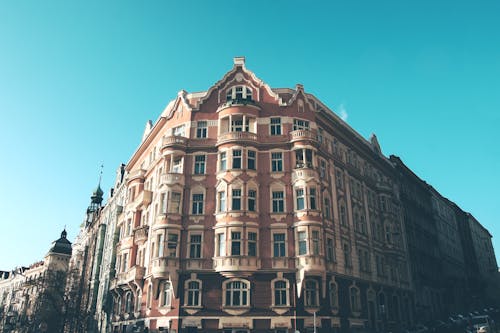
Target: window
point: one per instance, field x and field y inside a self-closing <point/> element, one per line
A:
<point x="221" y="241"/>
<point x="302" y="243"/>
<point x="172" y="245"/>
<point x="237" y="293"/>
<point x="239" y="94"/>
<point x="355" y="301"/>
<point x="129" y="302"/>
<point x="222" y="161"/>
<point x="160" y="240"/>
<point x="278" y="202"/>
<point x="240" y="124"/>
<point x="276" y="162"/>
<point x="149" y="297"/>
<point x="235" y="243"/>
<point x="320" y="136"/>
<point x="175" y="203"/>
<point x="237" y="159"/>
<point x="330" y="250"/>
<point x="303" y="158"/>
<point x="343" y="220"/>
<point x="279" y="245"/>
<point x="299" y="193"/>
<point x="251" y="160"/>
<point x="178" y="131"/>
<point x="166" y="293"/>
<point x="339" y="179"/>
<point x="347" y="255"/>
<point x="236" y="200"/>
<point x="222" y="201"/>
<point x="201" y="129"/>
<point x="177" y="165"/>
<point x="275" y="126"/>
<point x="193" y="293"/>
<point x="334" y="302"/>
<point x="252" y="244"/>
<point x="195" y="246"/>
<point x="280" y="293"/>
<point x="312" y="198"/>
<point x="315" y="242"/>
<point x="322" y="169"/>
<point x="311" y="293"/>
<point x="197" y="208"/>
<point x="163" y="203"/>
<point x="327" y="208"/>
<point x="199" y="164"/>
<point x="299" y="124"/>
<point x="252" y="194"/>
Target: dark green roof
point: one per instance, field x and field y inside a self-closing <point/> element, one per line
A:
<point x="62" y="245"/>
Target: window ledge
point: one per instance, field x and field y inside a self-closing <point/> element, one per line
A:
<point x="280" y="309"/>
<point x="191" y="309"/>
<point x="236" y="310"/>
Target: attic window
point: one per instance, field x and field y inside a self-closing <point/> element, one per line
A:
<point x="238" y="94"/>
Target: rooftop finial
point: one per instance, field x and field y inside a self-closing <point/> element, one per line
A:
<point x="100" y="174"/>
<point x="239" y="61"/>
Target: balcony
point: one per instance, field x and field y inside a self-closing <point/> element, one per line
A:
<point x="143" y="199"/>
<point x="135" y="273"/>
<point x="174" y="141"/>
<point x="172" y="178"/>
<point x="238" y="137"/>
<point x="141" y="234"/>
<point x="164" y="267"/>
<point x="313" y="264"/>
<point x="304" y="174"/>
<point x="303" y="135"/>
<point x="236" y="266"/>
<point x="136" y="174"/>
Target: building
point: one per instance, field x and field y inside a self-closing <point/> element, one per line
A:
<point x="256" y="209"/>
<point x="34" y="297"/>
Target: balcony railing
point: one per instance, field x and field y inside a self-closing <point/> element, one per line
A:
<point x="232" y="266"/>
<point x="135" y="273"/>
<point x="303" y="134"/>
<point x="164" y="267"/>
<point x="237" y="137"/>
<point x="303" y="174"/>
<point x="143" y="199"/>
<point x="172" y="178"/>
<point x="174" y="141"/>
<point x="141" y="234"/>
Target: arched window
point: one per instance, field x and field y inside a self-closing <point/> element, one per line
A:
<point x="237" y="293"/>
<point x="333" y="293"/>
<point x="137" y="305"/>
<point x="238" y="94"/>
<point x="193" y="293"/>
<point x="311" y="293"/>
<point x="129" y="302"/>
<point x="280" y="293"/>
<point x="165" y="293"/>
<point x="355" y="299"/>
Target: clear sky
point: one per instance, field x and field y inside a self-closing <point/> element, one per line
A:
<point x="79" y="80"/>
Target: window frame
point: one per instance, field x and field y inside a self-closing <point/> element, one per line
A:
<point x="201" y="129"/>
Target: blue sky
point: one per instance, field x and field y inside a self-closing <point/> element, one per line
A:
<point x="79" y="80"/>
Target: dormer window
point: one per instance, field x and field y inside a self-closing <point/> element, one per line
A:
<point x="239" y="93"/>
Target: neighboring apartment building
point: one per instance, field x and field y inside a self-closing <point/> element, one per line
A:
<point x="423" y="238"/>
<point x="257" y="209"/>
<point x="33" y="297"/>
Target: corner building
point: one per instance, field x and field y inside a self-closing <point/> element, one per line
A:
<point x="253" y="209"/>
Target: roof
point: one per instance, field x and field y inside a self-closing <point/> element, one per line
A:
<point x="61" y="246"/>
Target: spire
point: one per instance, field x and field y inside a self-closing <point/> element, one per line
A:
<point x="96" y="197"/>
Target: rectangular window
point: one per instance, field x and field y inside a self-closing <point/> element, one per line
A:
<point x="339" y="179"/>
<point x="312" y="198"/>
<point x="238" y="126"/>
<point x="222" y="201"/>
<point x="322" y="169"/>
<point x="199" y="164"/>
<point x="175" y="203"/>
<point x="177" y="165"/>
<point x="299" y="124"/>
<point x="125" y="262"/>
<point x="252" y="244"/>
<point x="235" y="243"/>
<point x="178" y="131"/>
<point x="347" y="256"/>
<point x="195" y="246"/>
<point x="172" y="245"/>
<point x="221" y="242"/>
<point x="159" y="241"/>
<point x="330" y="254"/>
<point x="223" y="161"/>
<point x="327" y="208"/>
<point x="252" y="194"/>
<point x="302" y="243"/>
<point x="278" y="245"/>
<point x="201" y="129"/>
<point x="197" y="208"/>
<point x="299" y="193"/>
<point x="251" y="160"/>
<point x="276" y="162"/>
<point x="275" y="127"/>
<point x="237" y="159"/>
<point x="278" y="202"/>
<point x="315" y="242"/>
<point x="236" y="200"/>
<point x="163" y="203"/>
